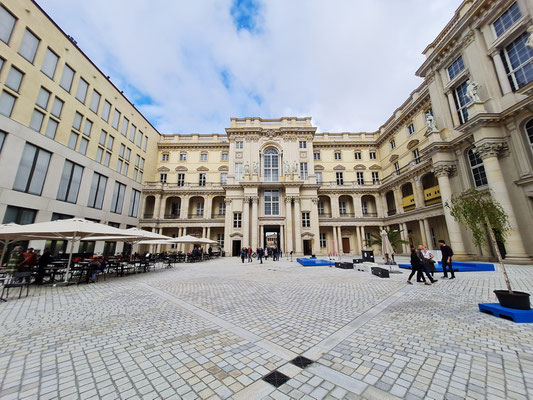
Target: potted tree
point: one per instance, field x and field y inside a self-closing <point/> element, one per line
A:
<point x="479" y="213"/>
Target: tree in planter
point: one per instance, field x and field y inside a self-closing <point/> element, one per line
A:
<point x="479" y="212"/>
<point x="394" y="236"/>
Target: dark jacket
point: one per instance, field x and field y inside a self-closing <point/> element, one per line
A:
<point x="447" y="254"/>
<point x="415" y="261"/>
<point x="45" y="259"/>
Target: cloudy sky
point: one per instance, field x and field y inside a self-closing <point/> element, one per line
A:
<point x="190" y="65"/>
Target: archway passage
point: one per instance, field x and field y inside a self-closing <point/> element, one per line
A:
<point x="271" y="238"/>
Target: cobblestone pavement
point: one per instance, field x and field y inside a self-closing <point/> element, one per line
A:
<point x="214" y="329"/>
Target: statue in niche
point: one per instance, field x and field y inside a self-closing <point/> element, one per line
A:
<point x="471" y="92"/>
<point x="246" y="168"/>
<point x="430" y="123"/>
<point x="295" y="168"/>
<point x="256" y="167"/>
<point x="286" y="168"/>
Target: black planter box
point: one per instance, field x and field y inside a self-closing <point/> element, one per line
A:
<point x="344" y="265"/>
<point x="381" y="272"/>
<point x="357" y="260"/>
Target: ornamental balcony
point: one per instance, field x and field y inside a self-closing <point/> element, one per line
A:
<point x="432" y="195"/>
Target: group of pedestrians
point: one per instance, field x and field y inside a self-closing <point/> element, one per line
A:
<point x="422" y="262"/>
<point x="25" y="261"/>
<point x="248" y="254"/>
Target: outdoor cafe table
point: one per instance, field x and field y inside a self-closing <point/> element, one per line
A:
<point x="54" y="269"/>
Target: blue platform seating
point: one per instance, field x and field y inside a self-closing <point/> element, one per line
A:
<point x="308" y="262"/>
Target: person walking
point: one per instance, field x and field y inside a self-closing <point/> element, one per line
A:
<point x="44" y="260"/>
<point x="30" y="259"/>
<point x="425" y="262"/>
<point x="243" y="254"/>
<point x="15" y="263"/>
<point x="429" y="261"/>
<point x="249" y="254"/>
<point x="260" y="254"/>
<point x="447" y="254"/>
<point x="416" y="267"/>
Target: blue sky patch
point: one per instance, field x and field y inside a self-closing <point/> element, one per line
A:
<point x="225" y="78"/>
<point x="245" y="14"/>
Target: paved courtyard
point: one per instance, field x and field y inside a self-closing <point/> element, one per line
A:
<point x="214" y="329"/>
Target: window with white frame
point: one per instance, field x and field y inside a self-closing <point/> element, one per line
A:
<point x="7" y="23"/>
<point x="360" y="178"/>
<point x="368" y="239"/>
<point x="372" y="155"/>
<point x="357" y="155"/>
<point x="397" y="168"/>
<point x="223" y="178"/>
<point x="392" y="144"/>
<point x="220" y="240"/>
<point x="364" y="207"/>
<point x="507" y="19"/>
<point x="375" y="177"/>
<point x="316" y="155"/>
<point x="181" y="179"/>
<point x="224" y="157"/>
<point x="238" y="171"/>
<point x="342" y="208"/>
<point x="477" y="168"/>
<point x="318" y="177"/>
<point x="303" y="144"/>
<point x="529" y="133"/>
<point x="237" y="220"/>
<point x="303" y="171"/>
<point x="416" y="156"/>
<point x="456" y="67"/>
<point x="338" y="155"/>
<point x="323" y="241"/>
<point x="461" y="102"/>
<point x="28" y="46"/>
<point x="411" y="129"/>
<point x="517" y="59"/>
<point x="203" y="157"/>
<point x="201" y="179"/>
<point x="239" y="145"/>
<point x="221" y="208"/>
<point x="270" y="165"/>
<point x="183" y="156"/>
<point x="164" y="156"/>
<point x="271" y="202"/>
<point x="340" y="178"/>
<point x="32" y="170"/>
<point x="69" y="184"/>
<point x="163" y="178"/>
<point x="320" y="208"/>
<point x="306" y="219"/>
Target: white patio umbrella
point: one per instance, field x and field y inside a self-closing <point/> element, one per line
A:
<point x="11" y="233"/>
<point x="188" y="239"/>
<point x="135" y="235"/>
<point x="207" y="241"/>
<point x="73" y="230"/>
<point x="386" y="246"/>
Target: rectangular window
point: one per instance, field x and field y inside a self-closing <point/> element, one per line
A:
<point x="36" y="122"/>
<point x="49" y="63"/>
<point x="181" y="179"/>
<point x="393" y="143"/>
<point x="238" y="145"/>
<point x="76" y="124"/>
<point x="220" y="240"/>
<point x="517" y="58"/>
<point x="360" y="178"/>
<point x="145" y="145"/>
<point x="416" y="156"/>
<point x="303" y="171"/>
<point x="271" y="202"/>
<point x="201" y="179"/>
<point x="318" y="177"/>
<point x="139" y="139"/>
<point x="507" y="19"/>
<point x="316" y="155"/>
<point x="42" y="98"/>
<point x="321" y="208"/>
<point x="73" y="140"/>
<point x="397" y="168"/>
<point x="410" y="129"/>
<point x="7" y="23"/>
<point x="99" y="154"/>
<point x="32" y="170"/>
<point x="14" y="79"/>
<point x="338" y="155"/>
<point x="110" y="142"/>
<point x="456" y="67"/>
<point x="342" y="208"/>
<point x="106" y="109"/>
<point x="203" y="157"/>
<point x="125" y="168"/>
<point x="28" y="46"/>
<point x="95" y="102"/>
<point x="306" y="220"/>
<point x="116" y="119"/>
<point x="375" y="177"/>
<point x="183" y="156"/>
<point x="57" y="107"/>
<point x="66" y="78"/>
<point x="372" y="155"/>
<point x="125" y="123"/>
<point x="97" y="192"/>
<point x="51" y="128"/>
<point x="223" y="178"/>
<point x="118" y="198"/>
<point x="164" y="157"/>
<point x="7" y="101"/>
<point x="323" y="241"/>
<point x="103" y="136"/>
<point x="107" y="158"/>
<point x="133" y="130"/>
<point x="238" y="171"/>
<point x="199" y="209"/>
<point x="81" y="93"/>
<point x="368" y="239"/>
<point x="163" y="178"/>
<point x="128" y="155"/>
<point x="340" y="178"/>
<point x="134" y="203"/>
<point x="357" y="155"/>
<point x="84" y="143"/>
<point x="119" y="166"/>
<point x="303" y="144"/>
<point x="2" y="134"/>
<point x="69" y="185"/>
<point x="461" y="102"/>
<point x="225" y="157"/>
<point x="19" y="215"/>
<point x="237" y="220"/>
<point x="478" y="169"/>
<point x="87" y="127"/>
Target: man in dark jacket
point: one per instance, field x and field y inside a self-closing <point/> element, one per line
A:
<point x="44" y="260"/>
<point x="447" y="254"/>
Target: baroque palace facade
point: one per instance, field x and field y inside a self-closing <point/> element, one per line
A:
<point x="73" y="145"/>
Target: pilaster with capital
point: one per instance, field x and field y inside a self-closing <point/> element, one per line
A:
<point x="184" y="211"/>
<point x="315" y="226"/>
<point x="246" y="222"/>
<point x="357" y="205"/>
<point x="335" y="213"/>
<point x="255" y="221"/>
<point x="297" y="226"/>
<point x="418" y="191"/>
<point x="288" y="224"/>
<point x="228" y="225"/>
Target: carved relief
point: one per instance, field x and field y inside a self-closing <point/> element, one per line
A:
<point x="490" y="149"/>
<point x="443" y="170"/>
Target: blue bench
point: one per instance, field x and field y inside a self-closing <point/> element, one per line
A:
<point x="460" y="266"/>
<point x="519" y="316"/>
<point x="314" y="262"/>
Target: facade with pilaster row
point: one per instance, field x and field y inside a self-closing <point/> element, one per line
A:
<point x="470" y="124"/>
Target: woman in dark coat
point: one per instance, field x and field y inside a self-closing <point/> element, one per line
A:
<point x="416" y="267"/>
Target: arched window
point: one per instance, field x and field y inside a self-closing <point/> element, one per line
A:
<point x="478" y="169"/>
<point x="271" y="162"/>
<point x="529" y="132"/>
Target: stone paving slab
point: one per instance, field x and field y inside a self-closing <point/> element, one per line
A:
<point x="214" y="329"/>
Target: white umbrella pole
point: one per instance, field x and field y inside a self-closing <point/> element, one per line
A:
<point x="73" y="240"/>
<point x="3" y="252"/>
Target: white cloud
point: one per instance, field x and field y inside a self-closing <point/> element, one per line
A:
<point x="348" y="64"/>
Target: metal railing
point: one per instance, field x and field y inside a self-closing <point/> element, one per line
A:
<point x="370" y="214"/>
<point x="324" y="215"/>
<point x="347" y="215"/>
<point x="172" y="216"/>
<point x="391" y="212"/>
<point x="148" y="215"/>
<point x="193" y="216"/>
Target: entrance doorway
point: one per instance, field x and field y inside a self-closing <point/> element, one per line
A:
<point x="271" y="237"/>
<point x="345" y="245"/>
<point x="236" y="248"/>
<point x="307" y="248"/>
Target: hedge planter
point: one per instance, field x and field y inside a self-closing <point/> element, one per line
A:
<point x="516" y="300"/>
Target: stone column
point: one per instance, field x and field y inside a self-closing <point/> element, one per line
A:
<point x="422" y="233"/>
<point x="441" y="172"/>
<point x="335" y="242"/>
<point x="418" y="191"/>
<point x="335" y="206"/>
<point x="339" y="239"/>
<point x="297" y="226"/>
<point x="385" y="205"/>
<point x="500" y="72"/>
<point x="358" y="213"/>
<point x="246" y="222"/>
<point x="288" y="224"/>
<point x="405" y="236"/>
<point x="379" y="205"/>
<point x="453" y="110"/>
<point x="427" y="231"/>
<point x="315" y="226"/>
<point x="208" y="201"/>
<point x="362" y="238"/>
<point x="255" y="244"/>
<point x="262" y="238"/>
<point x="208" y="233"/>
<point x="157" y="205"/>
<point x="398" y="200"/>
<point x="183" y="244"/>
<point x="514" y="245"/>
<point x="359" y="243"/>
<point x="228" y="226"/>
<point x="162" y="207"/>
<point x="282" y="238"/>
<point x="184" y="211"/>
